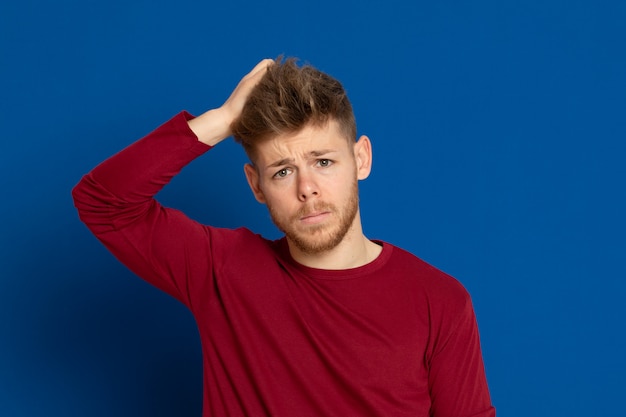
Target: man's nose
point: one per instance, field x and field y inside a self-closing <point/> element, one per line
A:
<point x="307" y="187"/>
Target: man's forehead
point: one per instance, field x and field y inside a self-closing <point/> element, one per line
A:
<point x="305" y="155"/>
<point x="311" y="138"/>
<point x="284" y="150"/>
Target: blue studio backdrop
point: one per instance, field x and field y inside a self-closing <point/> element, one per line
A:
<point x="498" y="130"/>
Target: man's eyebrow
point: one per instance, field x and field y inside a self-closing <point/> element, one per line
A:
<point x="321" y="152"/>
<point x="281" y="162"/>
<point x="286" y="161"/>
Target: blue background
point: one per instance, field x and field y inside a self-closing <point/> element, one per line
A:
<point x="498" y="130"/>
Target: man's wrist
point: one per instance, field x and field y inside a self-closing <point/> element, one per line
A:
<point x="211" y="127"/>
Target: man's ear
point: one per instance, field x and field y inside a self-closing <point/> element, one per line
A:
<point x="363" y="157"/>
<point x="252" y="175"/>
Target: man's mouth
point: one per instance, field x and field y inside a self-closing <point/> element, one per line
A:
<point x="314" y="217"/>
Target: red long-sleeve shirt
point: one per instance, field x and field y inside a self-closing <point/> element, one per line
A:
<point x="395" y="337"/>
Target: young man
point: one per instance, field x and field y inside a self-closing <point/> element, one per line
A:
<point x="323" y="322"/>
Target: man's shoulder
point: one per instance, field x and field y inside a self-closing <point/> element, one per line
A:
<point x="238" y="239"/>
<point x="241" y="245"/>
<point x="426" y="276"/>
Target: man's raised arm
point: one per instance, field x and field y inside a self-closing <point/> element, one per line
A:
<point x="115" y="200"/>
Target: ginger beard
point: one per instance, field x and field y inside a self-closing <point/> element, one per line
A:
<point x="318" y="238"/>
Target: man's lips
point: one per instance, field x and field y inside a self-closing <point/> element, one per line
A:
<point x="314" y="217"/>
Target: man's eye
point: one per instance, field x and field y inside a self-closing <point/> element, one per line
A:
<point x="282" y="173"/>
<point x="325" y="162"/>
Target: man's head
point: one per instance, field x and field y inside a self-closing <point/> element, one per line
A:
<point x="287" y="99"/>
<point x="298" y="128"/>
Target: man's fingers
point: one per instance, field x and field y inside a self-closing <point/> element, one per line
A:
<point x="261" y="66"/>
<point x="258" y="71"/>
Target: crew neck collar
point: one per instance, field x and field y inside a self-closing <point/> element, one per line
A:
<point x="336" y="274"/>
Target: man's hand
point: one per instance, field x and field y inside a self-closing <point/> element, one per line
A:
<point x="214" y="126"/>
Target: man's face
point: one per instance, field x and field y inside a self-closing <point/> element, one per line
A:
<point x="308" y="180"/>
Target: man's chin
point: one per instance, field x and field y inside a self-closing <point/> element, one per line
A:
<point x="314" y="242"/>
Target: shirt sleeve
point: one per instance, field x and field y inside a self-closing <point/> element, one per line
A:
<point x="116" y="202"/>
<point x="457" y="381"/>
